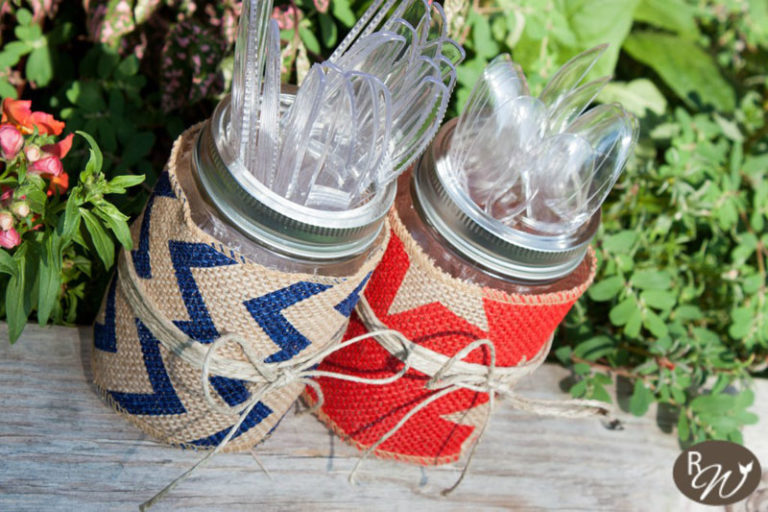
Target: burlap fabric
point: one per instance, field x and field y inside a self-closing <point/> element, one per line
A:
<point x="410" y="294"/>
<point x="208" y="290"/>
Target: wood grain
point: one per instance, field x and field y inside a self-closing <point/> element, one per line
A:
<point x="61" y="448"/>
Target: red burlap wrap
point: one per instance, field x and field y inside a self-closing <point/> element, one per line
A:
<point x="408" y="293"/>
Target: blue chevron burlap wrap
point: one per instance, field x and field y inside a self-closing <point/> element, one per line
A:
<point x="206" y="289"/>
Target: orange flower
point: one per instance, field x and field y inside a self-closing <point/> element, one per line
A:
<point x="19" y="113"/>
<point x="58" y="184"/>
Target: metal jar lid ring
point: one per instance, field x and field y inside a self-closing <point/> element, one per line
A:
<point x="271" y="220"/>
<point x="483" y="240"/>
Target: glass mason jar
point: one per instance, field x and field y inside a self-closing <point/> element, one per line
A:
<point x="228" y="203"/>
<point x="468" y="244"/>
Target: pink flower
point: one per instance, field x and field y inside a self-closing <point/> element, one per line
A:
<point x="321" y="5"/>
<point x="286" y="17"/>
<point x="60" y="149"/>
<point x="6" y="194"/>
<point x="9" y="238"/>
<point x="50" y="165"/>
<point x="11" y="141"/>
<point x="6" y="221"/>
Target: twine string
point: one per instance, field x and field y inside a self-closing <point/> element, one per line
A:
<point x="267" y="376"/>
<point x="449" y="374"/>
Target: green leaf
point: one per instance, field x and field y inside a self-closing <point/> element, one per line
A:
<point x="655" y="324"/>
<point x="688" y="312"/>
<point x="599" y="393"/>
<point x="309" y="40"/>
<point x="689" y="71"/>
<point x="636" y="96"/>
<point x="635" y="322"/>
<point x="606" y="289"/>
<point x="7" y="264"/>
<point x="49" y="274"/>
<point x="641" y="399"/>
<point x="16" y="312"/>
<point x="95" y="161"/>
<point x="104" y="245"/>
<point x="12" y="52"/>
<point x="582" y="369"/>
<point x="117" y="222"/>
<point x="482" y="38"/>
<point x="342" y="12"/>
<point x="594" y="22"/>
<point x="621" y="313"/>
<point x="39" y="68"/>
<point x="741" y="323"/>
<point x="71" y="221"/>
<point x="683" y="431"/>
<point x="594" y="348"/>
<point x="621" y="242"/>
<point x="328" y="30"/>
<point x="118" y="184"/>
<point x="651" y="280"/>
<point x="673" y="15"/>
<point x="659" y="299"/>
<point x="23" y="16"/>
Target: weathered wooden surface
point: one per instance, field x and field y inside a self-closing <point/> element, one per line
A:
<point x="61" y="448"/>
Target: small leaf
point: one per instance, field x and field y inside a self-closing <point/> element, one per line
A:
<point x="651" y="280"/>
<point x="621" y="312"/>
<point x="655" y="324"/>
<point x="328" y="30"/>
<point x="117" y="222"/>
<point x="7" y="264"/>
<point x="342" y="12"/>
<point x="118" y="184"/>
<point x="659" y="299"/>
<point x="683" y="432"/>
<point x="96" y="160"/>
<point x="606" y="289"/>
<point x="309" y="40"/>
<point x="641" y="399"/>
<point x="104" y="245"/>
<point x="49" y="277"/>
<point x="637" y="96"/>
<point x="15" y="311"/>
<point x="594" y="348"/>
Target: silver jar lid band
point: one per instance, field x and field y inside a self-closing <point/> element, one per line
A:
<point x="483" y="240"/>
<point x="273" y="221"/>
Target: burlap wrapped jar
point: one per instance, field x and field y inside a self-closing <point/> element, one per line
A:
<point x="467" y="335"/>
<point x="185" y="284"/>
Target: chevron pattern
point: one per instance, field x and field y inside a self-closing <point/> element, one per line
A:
<point x="184" y="275"/>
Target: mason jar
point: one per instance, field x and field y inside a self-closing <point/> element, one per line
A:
<point x="451" y="276"/>
<point x="230" y="293"/>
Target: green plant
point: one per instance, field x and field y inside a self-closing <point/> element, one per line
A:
<point x="50" y="234"/>
<point x="679" y="304"/>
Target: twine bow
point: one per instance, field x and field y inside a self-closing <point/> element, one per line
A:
<point x="449" y="374"/>
<point x="267" y="376"/>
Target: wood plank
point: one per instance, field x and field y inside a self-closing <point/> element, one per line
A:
<point x="62" y="448"/>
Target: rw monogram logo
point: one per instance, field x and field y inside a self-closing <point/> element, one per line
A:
<point x="717" y="472"/>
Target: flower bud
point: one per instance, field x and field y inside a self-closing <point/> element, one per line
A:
<point x="20" y="209"/>
<point x="9" y="239"/>
<point x="6" y="221"/>
<point x="33" y="152"/>
<point x="11" y="141"/>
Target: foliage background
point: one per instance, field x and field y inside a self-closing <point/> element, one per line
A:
<point x="678" y="312"/>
